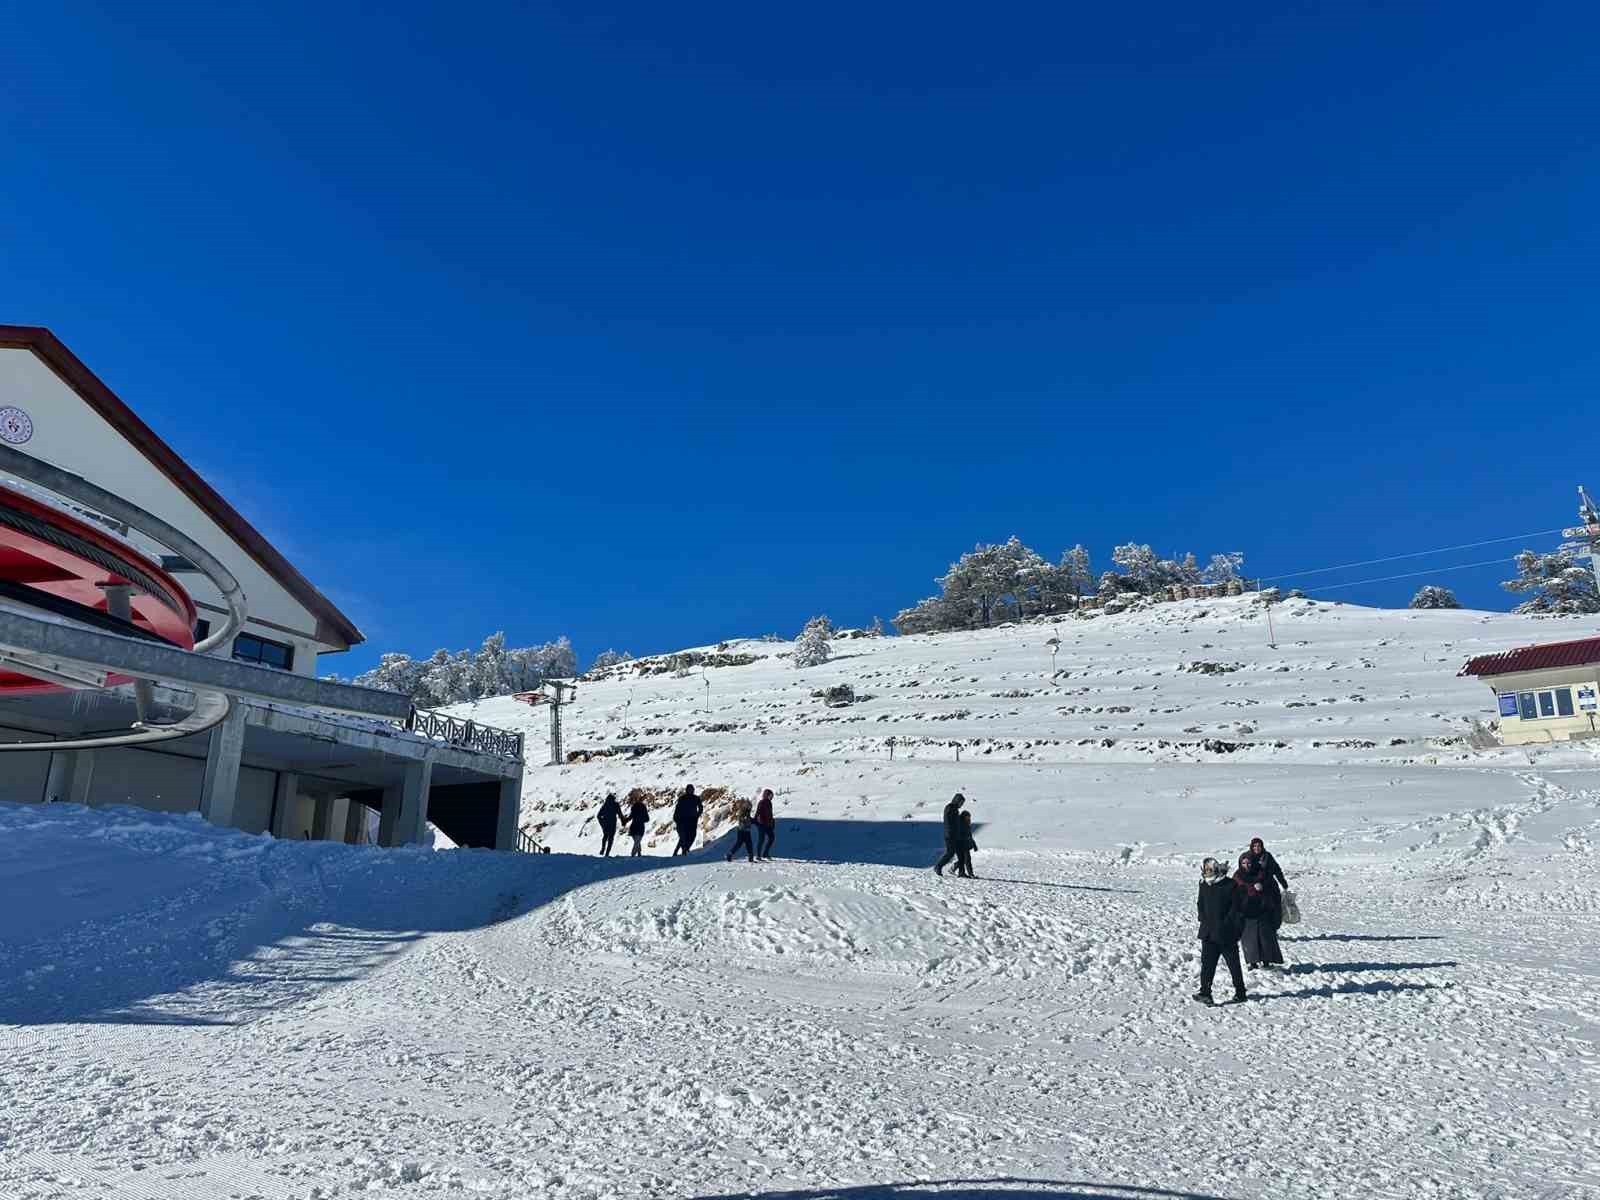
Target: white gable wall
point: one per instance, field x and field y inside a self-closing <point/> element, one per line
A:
<point x="68" y="433"/>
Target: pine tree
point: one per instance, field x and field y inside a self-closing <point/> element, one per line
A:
<point x="1434" y="596"/>
<point x="1558" y="583"/>
<point x="1224" y="568"/>
<point x="811" y="648"/>
<point x="1076" y="573"/>
<point x="609" y="658"/>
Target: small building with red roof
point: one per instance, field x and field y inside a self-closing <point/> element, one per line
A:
<point x="1545" y="693"/>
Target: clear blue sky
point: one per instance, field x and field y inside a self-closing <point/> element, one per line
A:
<point x="680" y="322"/>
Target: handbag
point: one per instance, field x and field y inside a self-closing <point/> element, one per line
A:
<point x="1291" y="909"/>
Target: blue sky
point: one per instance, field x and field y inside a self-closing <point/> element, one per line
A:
<point x="671" y="323"/>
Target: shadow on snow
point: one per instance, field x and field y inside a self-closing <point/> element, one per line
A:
<point x="1365" y="937"/>
<point x="975" y="1189"/>
<point x="259" y="924"/>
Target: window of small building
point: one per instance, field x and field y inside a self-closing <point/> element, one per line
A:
<point x="1547" y="704"/>
<point x="247" y="647"/>
<point x="1564" y="701"/>
<point x="1528" y="709"/>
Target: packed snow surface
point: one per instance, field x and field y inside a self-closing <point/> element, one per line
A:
<point x="194" y="1012"/>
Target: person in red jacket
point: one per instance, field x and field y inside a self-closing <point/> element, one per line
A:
<point x="766" y="825"/>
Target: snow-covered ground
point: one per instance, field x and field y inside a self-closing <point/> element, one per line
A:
<point x="194" y="1012"/>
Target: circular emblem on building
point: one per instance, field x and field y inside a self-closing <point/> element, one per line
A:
<point x="16" y="426"/>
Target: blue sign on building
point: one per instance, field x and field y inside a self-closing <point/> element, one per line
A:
<point x="1508" y="704"/>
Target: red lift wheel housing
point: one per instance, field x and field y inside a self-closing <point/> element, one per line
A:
<point x="70" y="563"/>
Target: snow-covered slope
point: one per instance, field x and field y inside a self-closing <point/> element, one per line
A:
<point x="192" y="1012"/>
<point x="1354" y="718"/>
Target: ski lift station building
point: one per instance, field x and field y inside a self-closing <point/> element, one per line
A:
<point x="1544" y="693"/>
<point x="294" y="755"/>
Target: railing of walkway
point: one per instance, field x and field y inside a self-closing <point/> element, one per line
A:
<point x="469" y="735"/>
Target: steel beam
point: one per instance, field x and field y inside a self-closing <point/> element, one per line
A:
<point x="73" y="647"/>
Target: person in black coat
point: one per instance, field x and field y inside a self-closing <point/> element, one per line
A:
<point x="1272" y="879"/>
<point x="686" y="816"/>
<point x="954" y="838"/>
<point x="1259" y="940"/>
<point x="1221" y="918"/>
<point x="968" y="845"/>
<point x="608" y="816"/>
<point x="638" y="817"/>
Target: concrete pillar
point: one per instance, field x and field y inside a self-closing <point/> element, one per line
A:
<point x="338" y="814"/>
<point x="283" y="803"/>
<point x="505" y="829"/>
<point x="412" y="818"/>
<point x="355" y="823"/>
<point x="220" y="787"/>
<point x="69" y="777"/>
<point x="322" y="818"/>
<point x="389" y="817"/>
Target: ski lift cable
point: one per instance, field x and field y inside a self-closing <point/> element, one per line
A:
<point x="1371" y="562"/>
<point x="1488" y="562"/>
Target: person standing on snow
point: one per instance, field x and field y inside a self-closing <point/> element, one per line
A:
<point x="686" y="816"/>
<point x="742" y="822"/>
<point x="968" y="845"/>
<point x="1272" y="876"/>
<point x="638" y="817"/>
<point x="766" y="825"/>
<point x="1220" y="921"/>
<point x="952" y="834"/>
<point x="1259" y="941"/>
<point x="608" y="816"/>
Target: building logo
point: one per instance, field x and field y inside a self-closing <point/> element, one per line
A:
<point x="16" y="426"/>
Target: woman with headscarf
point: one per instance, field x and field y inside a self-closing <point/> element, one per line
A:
<point x="1220" y="919"/>
<point x="1272" y="876"/>
<point x="1259" y="941"/>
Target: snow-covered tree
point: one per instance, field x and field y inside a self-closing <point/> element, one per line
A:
<point x="876" y="628"/>
<point x="1224" y="568"/>
<point x="1075" y="573"/>
<point x="395" y="672"/>
<point x="811" y="648"/>
<point x="609" y="658"/>
<point x="1557" y="583"/>
<point x="447" y="678"/>
<point x="932" y="615"/>
<point x="1434" y="596"/>
<point x="1140" y="565"/>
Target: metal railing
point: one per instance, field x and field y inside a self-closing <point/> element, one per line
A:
<point x="527" y="843"/>
<point x="468" y="735"/>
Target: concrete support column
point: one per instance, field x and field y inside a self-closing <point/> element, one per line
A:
<point x="505" y="828"/>
<point x="389" y="817"/>
<point x="283" y="803"/>
<point x="338" y="814"/>
<point x="69" y="777"/>
<point x="322" y="818"/>
<point x="355" y="823"/>
<point x="220" y="787"/>
<point x="412" y="818"/>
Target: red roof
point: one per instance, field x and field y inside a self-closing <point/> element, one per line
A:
<point x="1549" y="656"/>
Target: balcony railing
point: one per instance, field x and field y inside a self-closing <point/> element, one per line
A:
<point x="468" y="735"/>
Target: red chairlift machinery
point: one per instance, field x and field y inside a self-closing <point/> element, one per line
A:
<point x="561" y="693"/>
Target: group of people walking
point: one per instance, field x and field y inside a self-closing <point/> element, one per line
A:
<point x="1240" y="912"/>
<point x="635" y="819"/>
<point x="757" y="819"/>
<point x="958" y="841"/>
